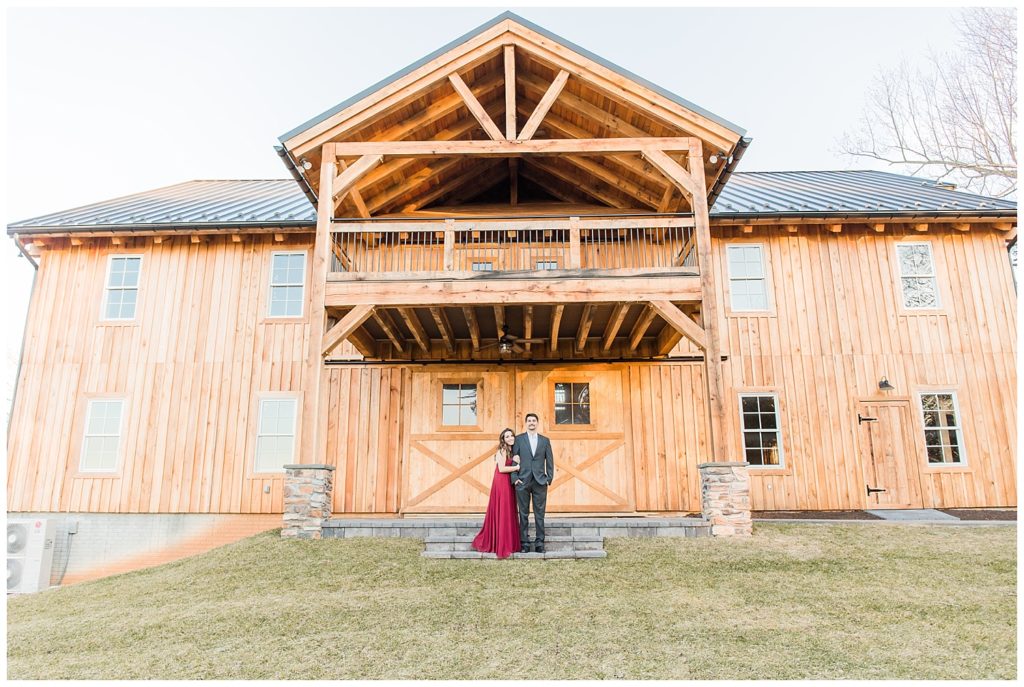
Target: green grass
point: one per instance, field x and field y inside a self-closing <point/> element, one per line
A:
<point x="794" y="601"/>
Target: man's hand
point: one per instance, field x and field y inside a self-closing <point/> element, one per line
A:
<point x="519" y="481"/>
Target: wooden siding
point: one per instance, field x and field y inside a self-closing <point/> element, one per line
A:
<point x="193" y="364"/>
<point x="190" y="368"/>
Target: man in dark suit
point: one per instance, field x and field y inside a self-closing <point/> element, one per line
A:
<point x="532" y="479"/>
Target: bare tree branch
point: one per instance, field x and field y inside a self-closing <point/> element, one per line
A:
<point x="955" y="117"/>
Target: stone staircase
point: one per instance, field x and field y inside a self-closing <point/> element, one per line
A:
<point x="565" y="538"/>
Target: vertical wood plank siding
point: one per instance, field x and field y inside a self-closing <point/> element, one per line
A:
<point x="192" y="365"/>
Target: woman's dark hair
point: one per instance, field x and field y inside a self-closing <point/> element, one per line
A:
<point x="502" y="446"/>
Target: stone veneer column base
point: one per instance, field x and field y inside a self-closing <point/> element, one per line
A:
<point x="725" y="498"/>
<point x="307" y="500"/>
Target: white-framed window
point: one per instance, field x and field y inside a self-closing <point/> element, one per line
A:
<point x="122" y="287"/>
<point x="762" y="437"/>
<point x="275" y="436"/>
<point x="917" y="275"/>
<point x="459" y="405"/>
<point x="287" y="283"/>
<point x="748" y="286"/>
<point x="482" y="266"/>
<point x="101" y="440"/>
<point x="546" y="265"/>
<point x="943" y="436"/>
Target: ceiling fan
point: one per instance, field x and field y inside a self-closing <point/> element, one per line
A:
<point x="510" y="344"/>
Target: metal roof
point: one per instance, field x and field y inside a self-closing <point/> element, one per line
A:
<point x="280" y="202"/>
<point x="533" y="27"/>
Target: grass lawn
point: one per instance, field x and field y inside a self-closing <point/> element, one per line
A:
<point x="794" y="601"/>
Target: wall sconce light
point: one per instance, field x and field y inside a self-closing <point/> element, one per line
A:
<point x="306" y="164"/>
<point x="884" y="384"/>
<point x="714" y="158"/>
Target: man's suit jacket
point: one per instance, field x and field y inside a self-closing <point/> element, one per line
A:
<point x="539" y="466"/>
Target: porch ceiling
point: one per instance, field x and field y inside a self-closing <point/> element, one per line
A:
<point x="583" y="331"/>
<point x="575" y="97"/>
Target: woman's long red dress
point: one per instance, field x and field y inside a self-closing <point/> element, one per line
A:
<point x="500" y="532"/>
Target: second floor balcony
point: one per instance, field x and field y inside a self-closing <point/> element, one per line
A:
<point x="521" y="247"/>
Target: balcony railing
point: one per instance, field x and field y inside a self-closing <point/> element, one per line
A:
<point x="439" y="248"/>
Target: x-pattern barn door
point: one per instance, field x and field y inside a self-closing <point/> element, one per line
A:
<point x="449" y="468"/>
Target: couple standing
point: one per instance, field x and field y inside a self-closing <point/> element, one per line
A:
<point x="524" y="468"/>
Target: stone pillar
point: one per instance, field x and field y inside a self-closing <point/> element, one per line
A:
<point x="725" y="498"/>
<point x="307" y="500"/>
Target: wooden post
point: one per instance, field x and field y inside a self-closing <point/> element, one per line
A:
<point x="449" y="245"/>
<point x="709" y="303"/>
<point x="314" y="440"/>
<point x="575" y="259"/>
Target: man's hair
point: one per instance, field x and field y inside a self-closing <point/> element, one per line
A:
<point x="533" y="415"/>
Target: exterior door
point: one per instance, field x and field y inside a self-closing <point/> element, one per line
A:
<point x="456" y="416"/>
<point x="584" y="413"/>
<point x="888" y="454"/>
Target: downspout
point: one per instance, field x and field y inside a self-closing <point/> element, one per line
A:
<point x="24" y="332"/>
<point x="293" y="168"/>
<point x="737" y="154"/>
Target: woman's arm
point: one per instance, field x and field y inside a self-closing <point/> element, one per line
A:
<point x="499" y="458"/>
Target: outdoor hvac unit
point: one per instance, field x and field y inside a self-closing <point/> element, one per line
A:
<point x="29" y="554"/>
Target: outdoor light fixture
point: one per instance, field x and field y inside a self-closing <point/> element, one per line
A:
<point x="714" y="158"/>
<point x="505" y="347"/>
<point x="884" y="384"/>
<point x="306" y="164"/>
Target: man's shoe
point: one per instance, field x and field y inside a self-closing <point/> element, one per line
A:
<point x="525" y="548"/>
<point x="539" y="548"/>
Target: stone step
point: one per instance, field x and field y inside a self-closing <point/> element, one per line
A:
<point x="551" y="543"/>
<point x="421" y="528"/>
<point x="547" y="555"/>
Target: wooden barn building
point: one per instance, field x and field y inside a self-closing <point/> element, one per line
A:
<point x="511" y="224"/>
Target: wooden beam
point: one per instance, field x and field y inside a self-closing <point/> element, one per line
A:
<point x="586" y="320"/>
<point x="355" y="195"/>
<point x="551" y="146"/>
<point x="353" y="174"/>
<point x="499" y="318"/>
<point x="877" y="227"/>
<point x="528" y="325"/>
<point x="414" y="325"/>
<point x="445" y="327"/>
<point x="390" y="328"/>
<point x="834" y="228"/>
<point x="614" y="324"/>
<point x="473" y="182"/>
<point x="345" y="326"/>
<point x="510" y="93"/>
<point x="313" y="441"/>
<point x="474" y="326"/>
<point x="667" y="197"/>
<point x="235" y="238"/>
<point x="678" y="320"/>
<point x="791" y="228"/>
<point x="394" y="193"/>
<point x="78" y="241"/>
<point x="577" y="181"/>
<point x="475" y="108"/>
<point x="920" y="226"/>
<point x="513" y="181"/>
<point x="363" y="343"/>
<point x="556" y="320"/>
<point x="961" y="226"/>
<point x="554" y="90"/>
<point x="641" y="326"/>
<point x="1003" y="226"/>
<point x="672" y="170"/>
<point x="667" y="340"/>
<point x="747" y="228"/>
<point x="537" y="176"/>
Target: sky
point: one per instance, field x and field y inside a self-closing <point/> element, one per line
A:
<point x="107" y="102"/>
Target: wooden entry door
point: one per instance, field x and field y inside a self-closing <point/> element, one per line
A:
<point x="888" y="454"/>
<point x="593" y="454"/>
<point x="447" y="467"/>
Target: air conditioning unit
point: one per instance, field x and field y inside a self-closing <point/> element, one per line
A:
<point x="30" y="545"/>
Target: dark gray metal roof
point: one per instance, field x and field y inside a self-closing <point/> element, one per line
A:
<point x="280" y="202"/>
<point x="533" y="27"/>
<point x="846" y="192"/>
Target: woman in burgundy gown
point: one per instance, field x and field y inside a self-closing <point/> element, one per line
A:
<point x="500" y="532"/>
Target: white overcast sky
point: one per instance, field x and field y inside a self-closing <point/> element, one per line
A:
<point x="107" y="102"/>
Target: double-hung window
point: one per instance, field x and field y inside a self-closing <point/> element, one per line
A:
<point x="748" y="286"/>
<point x="917" y="275"/>
<point x="287" y="284"/>
<point x="122" y="288"/>
<point x="762" y="441"/>
<point x="943" y="437"/>
<point x="275" y="438"/>
<point x="102" y="438"/>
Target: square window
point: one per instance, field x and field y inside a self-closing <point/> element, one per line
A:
<point x="762" y="440"/>
<point x="459" y="405"/>
<point x="275" y="439"/>
<point x="942" y="435"/>
<point x="572" y="403"/>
